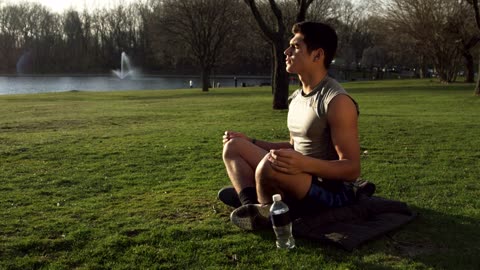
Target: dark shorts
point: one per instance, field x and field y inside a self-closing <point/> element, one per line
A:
<point x="319" y="198"/>
<point x="329" y="199"/>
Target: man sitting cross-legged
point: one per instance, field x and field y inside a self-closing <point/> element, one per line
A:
<point x="310" y="171"/>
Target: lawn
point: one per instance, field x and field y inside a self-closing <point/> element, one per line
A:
<point x="128" y="179"/>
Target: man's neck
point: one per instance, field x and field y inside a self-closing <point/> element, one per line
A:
<point x="309" y="81"/>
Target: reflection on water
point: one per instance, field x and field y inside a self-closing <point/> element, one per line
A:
<point x="44" y="84"/>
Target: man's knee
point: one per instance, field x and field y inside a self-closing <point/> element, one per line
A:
<point x="231" y="148"/>
<point x="273" y="181"/>
<point x="264" y="173"/>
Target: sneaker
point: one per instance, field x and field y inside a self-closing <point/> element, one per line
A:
<point x="252" y="217"/>
<point x="229" y="196"/>
<point x="364" y="188"/>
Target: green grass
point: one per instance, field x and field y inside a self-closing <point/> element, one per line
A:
<point x="128" y="180"/>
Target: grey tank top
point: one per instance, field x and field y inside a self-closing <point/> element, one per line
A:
<point x="307" y="119"/>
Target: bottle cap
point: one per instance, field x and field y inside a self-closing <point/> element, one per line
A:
<point x="277" y="197"/>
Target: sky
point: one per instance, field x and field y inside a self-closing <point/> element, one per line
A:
<point x="62" y="5"/>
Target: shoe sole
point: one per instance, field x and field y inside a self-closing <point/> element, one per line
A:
<point x="251" y="217"/>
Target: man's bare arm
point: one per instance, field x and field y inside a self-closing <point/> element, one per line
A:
<point x="342" y="118"/>
<point x="271" y="145"/>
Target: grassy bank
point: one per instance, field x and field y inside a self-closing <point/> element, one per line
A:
<point x="128" y="180"/>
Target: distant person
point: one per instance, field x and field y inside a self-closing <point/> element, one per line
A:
<point x="311" y="171"/>
<point x="235" y="80"/>
<point x="191" y="83"/>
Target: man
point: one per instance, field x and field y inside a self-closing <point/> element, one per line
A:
<point x="310" y="171"/>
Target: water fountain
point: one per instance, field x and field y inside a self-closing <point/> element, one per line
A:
<point x="24" y="63"/>
<point x="125" y="67"/>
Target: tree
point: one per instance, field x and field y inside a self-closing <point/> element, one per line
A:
<point x="72" y="28"/>
<point x="462" y="30"/>
<point x="203" y="26"/>
<point x="474" y="4"/>
<point x="9" y="36"/>
<point x="248" y="51"/>
<point x="401" y="50"/>
<point x="354" y="37"/>
<point x="374" y="59"/>
<point x="275" y="35"/>
<point x="432" y="25"/>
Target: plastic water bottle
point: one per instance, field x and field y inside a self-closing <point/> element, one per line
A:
<point x="282" y="225"/>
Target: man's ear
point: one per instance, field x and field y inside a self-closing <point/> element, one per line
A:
<point x="318" y="54"/>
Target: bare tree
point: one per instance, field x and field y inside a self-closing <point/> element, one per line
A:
<point x="374" y="59"/>
<point x="202" y="25"/>
<point x="9" y="36"/>
<point x="349" y="20"/>
<point x="476" y="11"/>
<point x="73" y="30"/>
<point x="431" y="24"/>
<point x="462" y="29"/>
<point x="275" y="34"/>
<point x="401" y="50"/>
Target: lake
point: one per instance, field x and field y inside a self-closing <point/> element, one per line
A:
<point x="59" y="83"/>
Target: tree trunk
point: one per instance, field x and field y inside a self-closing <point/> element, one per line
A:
<point x="280" y="78"/>
<point x="447" y="64"/>
<point x="276" y="36"/>
<point x="272" y="70"/>
<point x="421" y="73"/>
<point x="423" y="68"/>
<point x="477" y="20"/>
<point x="477" y="87"/>
<point x="469" y="70"/>
<point x="205" y="77"/>
<point x="446" y="75"/>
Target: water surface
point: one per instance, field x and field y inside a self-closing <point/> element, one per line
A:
<point x="46" y="84"/>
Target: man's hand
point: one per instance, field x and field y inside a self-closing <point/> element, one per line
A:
<point x="286" y="161"/>
<point x="228" y="135"/>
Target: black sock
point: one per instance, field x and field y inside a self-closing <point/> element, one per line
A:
<point x="248" y="195"/>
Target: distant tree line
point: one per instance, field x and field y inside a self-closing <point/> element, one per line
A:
<point x="377" y="39"/>
<point x="155" y="34"/>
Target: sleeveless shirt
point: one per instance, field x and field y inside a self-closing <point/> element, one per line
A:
<point x="308" y="125"/>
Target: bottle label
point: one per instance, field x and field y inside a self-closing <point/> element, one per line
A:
<point x="281" y="219"/>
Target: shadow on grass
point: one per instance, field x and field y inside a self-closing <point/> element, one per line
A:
<point x="433" y="239"/>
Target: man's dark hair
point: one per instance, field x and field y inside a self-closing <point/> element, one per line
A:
<point x="318" y="35"/>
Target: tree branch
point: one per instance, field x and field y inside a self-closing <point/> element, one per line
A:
<point x="261" y="22"/>
<point x="477" y="13"/>
<point x="302" y="9"/>
<point x="278" y="14"/>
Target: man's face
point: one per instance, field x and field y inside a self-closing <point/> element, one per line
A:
<point x="297" y="58"/>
